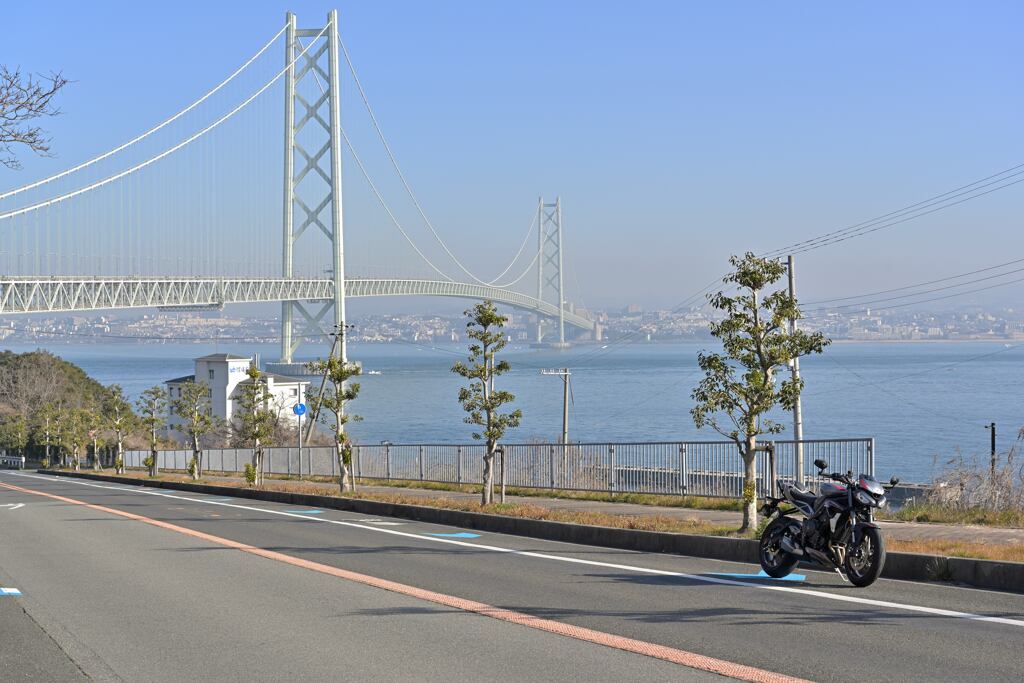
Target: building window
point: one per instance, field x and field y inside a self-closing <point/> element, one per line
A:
<point x="295" y="392"/>
<point x="211" y="374"/>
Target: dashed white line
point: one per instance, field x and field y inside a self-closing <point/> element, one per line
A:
<point x="574" y="560"/>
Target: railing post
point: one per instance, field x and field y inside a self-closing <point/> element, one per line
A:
<point x="458" y="465"/>
<point x="771" y="469"/>
<point x="551" y="465"/>
<point x="421" y="463"/>
<point x="387" y="462"/>
<point x="871" y="456"/>
<point x="682" y="469"/>
<point x="612" y="479"/>
<point x="359" y="462"/>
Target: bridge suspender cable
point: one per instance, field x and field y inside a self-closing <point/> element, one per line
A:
<point x="133" y="169"/>
<point x="149" y="132"/>
<point x="408" y="188"/>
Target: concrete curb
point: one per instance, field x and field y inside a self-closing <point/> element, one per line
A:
<point x="989" y="574"/>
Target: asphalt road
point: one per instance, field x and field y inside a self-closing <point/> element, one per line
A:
<point x="128" y="600"/>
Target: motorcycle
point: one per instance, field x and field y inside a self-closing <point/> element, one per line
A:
<point x="837" y="528"/>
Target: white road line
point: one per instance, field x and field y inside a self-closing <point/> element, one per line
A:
<point x="573" y="560"/>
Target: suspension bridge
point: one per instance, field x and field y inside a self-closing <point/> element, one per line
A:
<point x="191" y="214"/>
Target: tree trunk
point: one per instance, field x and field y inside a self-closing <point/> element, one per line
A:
<point x="487" y="496"/>
<point x="197" y="471"/>
<point x="153" y="469"/>
<point x="96" y="465"/>
<point x="344" y="473"/>
<point x="119" y="462"/>
<point x="749" y="484"/>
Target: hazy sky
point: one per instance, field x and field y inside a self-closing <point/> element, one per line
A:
<point x="676" y="133"/>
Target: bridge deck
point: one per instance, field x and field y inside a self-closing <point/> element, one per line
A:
<point x="60" y="294"/>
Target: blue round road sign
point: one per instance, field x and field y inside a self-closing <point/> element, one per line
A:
<point x="299" y="409"/>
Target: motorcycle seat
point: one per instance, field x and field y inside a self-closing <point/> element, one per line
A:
<point x="801" y="494"/>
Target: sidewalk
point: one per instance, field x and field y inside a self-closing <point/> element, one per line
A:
<point x="903" y="531"/>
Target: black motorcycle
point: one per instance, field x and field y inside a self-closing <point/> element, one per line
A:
<point x="837" y="528"/>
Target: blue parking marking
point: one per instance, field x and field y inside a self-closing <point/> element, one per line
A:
<point x="13" y="592"/>
<point x="760" y="575"/>
<point x="307" y="512"/>
<point x="461" y="534"/>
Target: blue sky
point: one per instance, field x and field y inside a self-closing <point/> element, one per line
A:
<point x="676" y="133"/>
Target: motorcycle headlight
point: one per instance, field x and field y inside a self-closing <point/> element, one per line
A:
<point x="881" y="502"/>
<point x="865" y="499"/>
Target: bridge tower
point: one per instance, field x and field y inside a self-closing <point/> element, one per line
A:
<point x="305" y="159"/>
<point x="549" y="263"/>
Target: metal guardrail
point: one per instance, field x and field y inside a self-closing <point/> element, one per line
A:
<point x="16" y="462"/>
<point x="696" y="468"/>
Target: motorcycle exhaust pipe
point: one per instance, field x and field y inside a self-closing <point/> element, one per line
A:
<point x="787" y="545"/>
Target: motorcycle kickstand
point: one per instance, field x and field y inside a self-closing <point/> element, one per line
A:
<point x="842" y="575"/>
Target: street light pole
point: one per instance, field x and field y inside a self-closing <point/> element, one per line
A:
<point x="798" y="420"/>
<point x="992" y="427"/>
<point x="564" y="374"/>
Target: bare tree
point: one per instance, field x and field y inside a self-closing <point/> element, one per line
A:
<point x="23" y="99"/>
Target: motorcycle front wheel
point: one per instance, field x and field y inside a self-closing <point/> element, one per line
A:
<point x="775" y="561"/>
<point x="864" y="562"/>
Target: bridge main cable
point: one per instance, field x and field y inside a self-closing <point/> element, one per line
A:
<point x="143" y="136"/>
<point x="167" y="152"/>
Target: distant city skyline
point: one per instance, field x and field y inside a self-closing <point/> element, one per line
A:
<point x="675" y="134"/>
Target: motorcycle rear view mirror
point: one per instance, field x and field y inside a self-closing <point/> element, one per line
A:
<point x="894" y="481"/>
<point x="821" y="464"/>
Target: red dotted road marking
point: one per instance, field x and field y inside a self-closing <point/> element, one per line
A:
<point x="668" y="654"/>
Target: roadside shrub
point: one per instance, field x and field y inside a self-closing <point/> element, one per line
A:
<point x="191" y="467"/>
<point x="250" y="474"/>
<point x="44" y="463"/>
<point x="972" y="484"/>
<point x="147" y="462"/>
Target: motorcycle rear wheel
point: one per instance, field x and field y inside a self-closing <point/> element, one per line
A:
<point x="775" y="561"/>
<point x="864" y="562"/>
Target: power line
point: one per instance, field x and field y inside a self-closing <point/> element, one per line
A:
<point x="819" y="312"/>
<point x="871" y="225"/>
<point x="919" y="284"/>
<point x="924" y="291"/>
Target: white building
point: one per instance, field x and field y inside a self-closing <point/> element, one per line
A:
<point x="223" y="374"/>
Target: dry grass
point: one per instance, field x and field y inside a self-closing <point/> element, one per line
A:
<point x="524" y="510"/>
<point x="950" y="548"/>
<point x="943" y="514"/>
<point x="690" y="502"/>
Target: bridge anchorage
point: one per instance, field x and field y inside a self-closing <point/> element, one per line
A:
<point x="311" y="306"/>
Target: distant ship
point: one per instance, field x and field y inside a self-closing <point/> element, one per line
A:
<point x="374" y="372"/>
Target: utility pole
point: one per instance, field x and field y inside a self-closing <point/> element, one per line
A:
<point x="565" y="375"/>
<point x="794" y="367"/>
<point x="992" y="427"/>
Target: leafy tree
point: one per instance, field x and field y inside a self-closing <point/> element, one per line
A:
<point x="152" y="407"/>
<point x="24" y="98"/>
<point x="254" y="422"/>
<point x="43" y="429"/>
<point x="14" y="433"/>
<point x="120" y="419"/>
<point x="93" y="425"/>
<point x="334" y="400"/>
<point x="739" y="386"/>
<point x="480" y="399"/>
<point x="76" y="426"/>
<point x="193" y="406"/>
